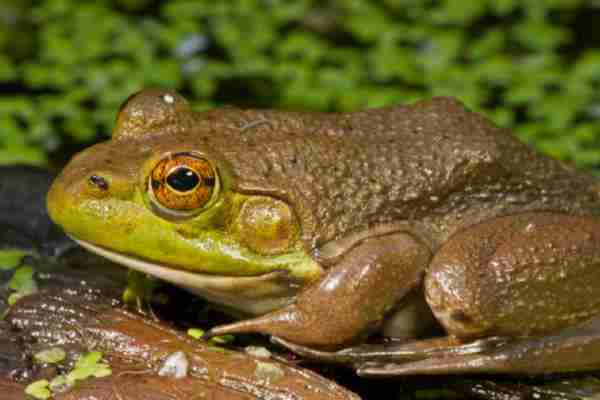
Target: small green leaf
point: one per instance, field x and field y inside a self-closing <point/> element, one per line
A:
<point x="59" y="384"/>
<point x="89" y="366"/>
<point x="52" y="355"/>
<point x="38" y="389"/>
<point x="13" y="298"/>
<point x="88" y="360"/>
<point x="22" y="155"/>
<point x="23" y="281"/>
<point x="11" y="258"/>
<point x="224" y="339"/>
<point x="539" y="35"/>
<point x="102" y="371"/>
<point x="460" y="12"/>
<point x="503" y="7"/>
<point x="196" y="333"/>
<point x="79" y="374"/>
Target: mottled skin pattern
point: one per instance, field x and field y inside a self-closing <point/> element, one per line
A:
<point x="349" y="214"/>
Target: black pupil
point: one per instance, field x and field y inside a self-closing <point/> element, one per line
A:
<point x="183" y="179"/>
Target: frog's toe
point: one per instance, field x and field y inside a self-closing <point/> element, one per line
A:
<point x="291" y="323"/>
<point x="465" y="363"/>
<point x="363" y="353"/>
<point x="575" y="348"/>
<point x="393" y="352"/>
<point x="345" y="356"/>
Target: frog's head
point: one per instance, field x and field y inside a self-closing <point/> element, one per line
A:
<point x="158" y="199"/>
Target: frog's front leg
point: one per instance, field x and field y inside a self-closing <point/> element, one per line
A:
<point x="532" y="279"/>
<point x="352" y="299"/>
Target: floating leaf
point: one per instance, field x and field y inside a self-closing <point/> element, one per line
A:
<point x="38" y="390"/>
<point x="59" y="384"/>
<point x="52" y="355"/>
<point x="88" y="366"/>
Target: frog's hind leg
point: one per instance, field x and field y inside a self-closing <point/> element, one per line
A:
<point x="532" y="279"/>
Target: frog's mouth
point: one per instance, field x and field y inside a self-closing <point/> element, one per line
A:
<point x="251" y="294"/>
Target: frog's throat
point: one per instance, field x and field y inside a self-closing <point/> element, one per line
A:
<point x="251" y="294"/>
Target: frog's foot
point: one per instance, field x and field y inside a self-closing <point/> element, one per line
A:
<point x="573" y="349"/>
<point x="394" y="352"/>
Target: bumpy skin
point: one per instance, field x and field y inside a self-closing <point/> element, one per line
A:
<point x="432" y="163"/>
<point x="422" y="180"/>
<point x="521" y="275"/>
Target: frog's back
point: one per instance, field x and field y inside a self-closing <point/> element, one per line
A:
<point x="433" y="165"/>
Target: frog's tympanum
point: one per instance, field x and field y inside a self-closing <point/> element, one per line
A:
<point x="324" y="229"/>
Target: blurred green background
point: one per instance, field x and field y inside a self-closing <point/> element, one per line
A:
<point x="66" y="65"/>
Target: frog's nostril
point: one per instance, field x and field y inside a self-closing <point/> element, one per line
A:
<point x="98" y="181"/>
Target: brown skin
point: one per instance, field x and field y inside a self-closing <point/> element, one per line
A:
<point x="378" y="199"/>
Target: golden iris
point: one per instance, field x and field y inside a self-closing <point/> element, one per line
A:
<point x="182" y="182"/>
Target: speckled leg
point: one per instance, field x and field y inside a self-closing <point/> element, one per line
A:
<point x="351" y="300"/>
<point x="532" y="279"/>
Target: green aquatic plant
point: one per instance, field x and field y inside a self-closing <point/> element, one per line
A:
<point x="532" y="66"/>
<point x="88" y="366"/>
<point x="22" y="283"/>
<point x="11" y="258"/>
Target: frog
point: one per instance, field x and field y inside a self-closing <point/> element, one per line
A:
<point x="404" y="240"/>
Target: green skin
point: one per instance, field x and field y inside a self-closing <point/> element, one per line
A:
<point x="328" y="227"/>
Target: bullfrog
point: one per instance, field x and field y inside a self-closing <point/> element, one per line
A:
<point x="325" y="229"/>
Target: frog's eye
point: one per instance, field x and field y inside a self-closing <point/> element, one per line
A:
<point x="182" y="183"/>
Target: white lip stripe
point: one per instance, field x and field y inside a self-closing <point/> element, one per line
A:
<point x="178" y="277"/>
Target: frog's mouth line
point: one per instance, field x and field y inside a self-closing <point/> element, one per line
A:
<point x="252" y="294"/>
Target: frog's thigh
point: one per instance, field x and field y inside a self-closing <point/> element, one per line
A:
<point x="522" y="275"/>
